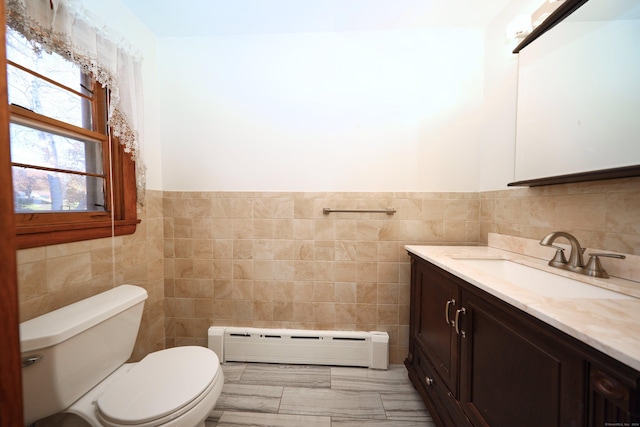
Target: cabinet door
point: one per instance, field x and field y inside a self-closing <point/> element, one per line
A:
<point x="437" y="299"/>
<point x="514" y="374"/>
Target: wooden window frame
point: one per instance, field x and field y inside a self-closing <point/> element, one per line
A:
<point x="10" y="369"/>
<point x="35" y="229"/>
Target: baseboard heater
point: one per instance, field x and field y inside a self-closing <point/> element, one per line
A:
<point x="298" y="346"/>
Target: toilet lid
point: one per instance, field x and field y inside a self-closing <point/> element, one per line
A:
<point x="160" y="384"/>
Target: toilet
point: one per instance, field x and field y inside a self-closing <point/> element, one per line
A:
<point x="74" y="361"/>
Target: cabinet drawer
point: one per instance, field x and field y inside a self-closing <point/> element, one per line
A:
<point x="448" y="411"/>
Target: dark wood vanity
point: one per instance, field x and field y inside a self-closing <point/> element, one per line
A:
<point x="479" y="361"/>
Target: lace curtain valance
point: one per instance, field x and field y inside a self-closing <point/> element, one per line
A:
<point x="64" y="27"/>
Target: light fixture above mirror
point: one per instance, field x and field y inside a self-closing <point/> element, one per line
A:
<point x="523" y="25"/>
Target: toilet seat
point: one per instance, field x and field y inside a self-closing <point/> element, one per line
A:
<point x="159" y="388"/>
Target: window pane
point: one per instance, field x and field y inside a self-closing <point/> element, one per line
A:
<point x="51" y="65"/>
<point x="38" y="95"/>
<point x="39" y="148"/>
<point x="36" y="190"/>
<point x="42" y="97"/>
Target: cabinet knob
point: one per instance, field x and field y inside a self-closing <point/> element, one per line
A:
<point x="428" y="381"/>
<point x="608" y="386"/>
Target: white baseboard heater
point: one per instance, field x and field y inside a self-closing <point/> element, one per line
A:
<point x="298" y="346"/>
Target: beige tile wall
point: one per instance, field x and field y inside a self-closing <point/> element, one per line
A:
<point x="54" y="276"/>
<point x="601" y="214"/>
<point x="275" y="260"/>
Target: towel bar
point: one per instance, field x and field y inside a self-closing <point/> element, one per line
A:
<point x="388" y="211"/>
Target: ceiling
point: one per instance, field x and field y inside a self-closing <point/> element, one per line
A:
<point x="199" y="18"/>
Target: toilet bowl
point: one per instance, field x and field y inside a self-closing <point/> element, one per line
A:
<point x="74" y="362"/>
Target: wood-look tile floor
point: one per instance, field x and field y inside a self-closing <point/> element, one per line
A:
<point x="317" y="396"/>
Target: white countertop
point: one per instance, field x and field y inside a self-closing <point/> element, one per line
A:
<point x="609" y="325"/>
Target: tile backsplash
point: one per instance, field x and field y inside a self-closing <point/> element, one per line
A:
<point x="601" y="214"/>
<point x="275" y="260"/>
<point x="627" y="268"/>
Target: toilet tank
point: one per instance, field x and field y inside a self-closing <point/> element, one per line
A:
<point x="76" y="347"/>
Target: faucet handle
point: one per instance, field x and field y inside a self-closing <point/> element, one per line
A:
<point x="594" y="267"/>
<point x="559" y="257"/>
<point x="618" y="256"/>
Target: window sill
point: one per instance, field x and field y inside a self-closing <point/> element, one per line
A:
<point x="45" y="235"/>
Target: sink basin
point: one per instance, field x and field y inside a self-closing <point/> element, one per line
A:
<point x="538" y="281"/>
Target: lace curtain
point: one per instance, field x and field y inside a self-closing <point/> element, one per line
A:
<point x="64" y="27"/>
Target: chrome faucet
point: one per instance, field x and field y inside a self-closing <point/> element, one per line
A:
<point x="576" y="263"/>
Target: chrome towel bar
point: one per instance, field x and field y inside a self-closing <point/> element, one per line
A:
<point x="388" y="211"/>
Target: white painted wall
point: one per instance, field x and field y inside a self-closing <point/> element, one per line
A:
<point x="361" y="111"/>
<point x="123" y="23"/>
<point x="500" y="99"/>
<point x="351" y="111"/>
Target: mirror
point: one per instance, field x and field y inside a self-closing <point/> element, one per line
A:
<point x="578" y="114"/>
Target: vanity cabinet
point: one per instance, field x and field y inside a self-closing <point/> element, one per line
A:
<point x="478" y="361"/>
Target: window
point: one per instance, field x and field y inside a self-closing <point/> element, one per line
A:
<point x="70" y="179"/>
